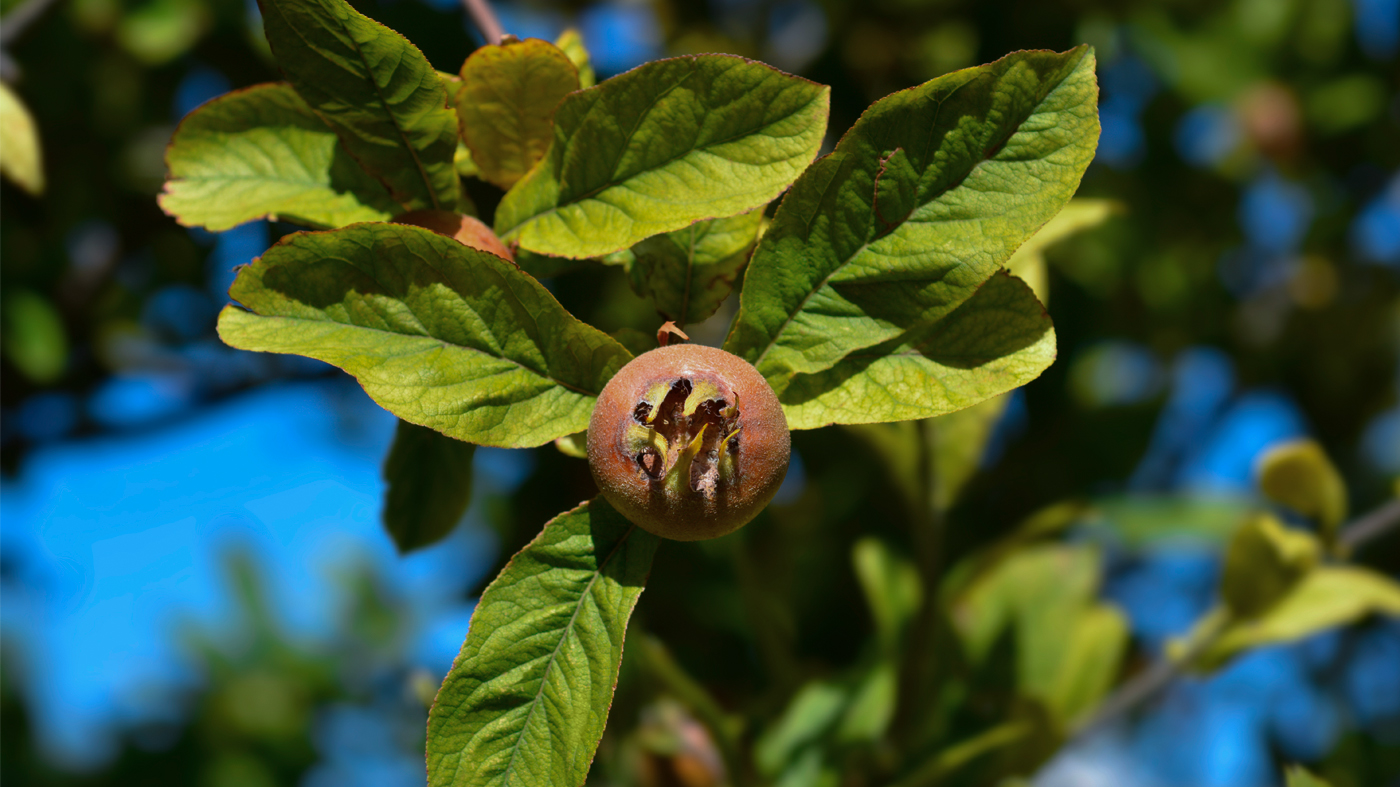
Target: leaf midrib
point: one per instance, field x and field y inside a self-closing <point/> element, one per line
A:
<point x="549" y="665"/>
<point x="412" y="152"/>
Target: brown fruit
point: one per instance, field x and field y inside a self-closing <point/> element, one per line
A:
<point x="689" y="442"/>
<point x="464" y="229"/>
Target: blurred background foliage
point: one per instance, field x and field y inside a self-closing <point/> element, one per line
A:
<point x="1242" y="288"/>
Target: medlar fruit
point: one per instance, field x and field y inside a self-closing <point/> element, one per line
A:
<point x="688" y="442"/>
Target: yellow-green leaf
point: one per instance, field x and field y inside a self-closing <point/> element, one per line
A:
<point x="261" y="152"/>
<point x="1299" y="475"/>
<point x="21" y="159"/>
<point x="688" y="273"/>
<point x="440" y="334"/>
<point x="660" y="147"/>
<point x="1262" y="563"/>
<point x="506" y="105"/>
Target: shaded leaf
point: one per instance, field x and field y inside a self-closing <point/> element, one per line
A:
<point x="1080" y="214"/>
<point x="892" y="589"/>
<point x="1298" y="776"/>
<point x="375" y="90"/>
<point x="688" y="273"/>
<point x="1262" y="562"/>
<point x="1327" y="597"/>
<point x="506" y="105"/>
<point x="430" y="485"/>
<point x="1298" y="474"/>
<point x="660" y="147"/>
<point x="920" y="204"/>
<point x="440" y="334"/>
<point x="261" y="152"/>
<point x="571" y="42"/>
<point x="810" y="715"/>
<point x="575" y="445"/>
<point x="1068" y="645"/>
<point x="20" y="158"/>
<point x="527" y="698"/>
<point x="34" y="339"/>
<point x="997" y="340"/>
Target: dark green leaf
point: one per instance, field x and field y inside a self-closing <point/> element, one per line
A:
<point x="688" y="273"/>
<point x="261" y="152"/>
<point x="921" y="202"/>
<point x="506" y="105"/>
<point x="527" y="698"/>
<point x="440" y="334"/>
<point x="661" y="147"/>
<point x="430" y="485"/>
<point x="376" y="90"/>
<point x="995" y="341"/>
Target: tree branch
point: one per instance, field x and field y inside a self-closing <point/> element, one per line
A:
<point x="485" y="18"/>
<point x="1148" y="684"/>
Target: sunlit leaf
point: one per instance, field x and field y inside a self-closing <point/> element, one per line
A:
<point x="261" y="152"/>
<point x="20" y="158"/>
<point x="506" y="105"/>
<point x="527" y="697"/>
<point x="430" y="485"/>
<point x="571" y="42"/>
<point x="1298" y="776"/>
<point x="440" y="334"/>
<point x="375" y="90"/>
<point x="688" y="273"/>
<point x="920" y="204"/>
<point x="1327" y="597"/>
<point x="660" y="147"/>
<point x="995" y="341"/>
<point x="1080" y="214"/>
<point x="1298" y="474"/>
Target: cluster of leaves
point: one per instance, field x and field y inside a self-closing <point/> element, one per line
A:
<point x="896" y="281"/>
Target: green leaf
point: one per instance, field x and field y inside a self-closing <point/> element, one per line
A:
<point x="1081" y="214"/>
<point x="660" y="147"/>
<point x="575" y="445"/>
<point x="688" y="273"/>
<point x="20" y="158"/>
<point x="892" y="590"/>
<point x="34" y="339"/>
<point x="440" y="334"/>
<point x="430" y="485"/>
<point x="506" y="105"/>
<point x="1068" y="645"/>
<point x="1327" y="597"/>
<point x="375" y="90"/>
<point x="1299" y="475"/>
<point x="811" y="714"/>
<point x="1262" y="562"/>
<point x="1298" y="776"/>
<point x="571" y="42"/>
<point x="920" y="204"/>
<point x="527" y="698"/>
<point x="997" y="340"/>
<point x="261" y="152"/>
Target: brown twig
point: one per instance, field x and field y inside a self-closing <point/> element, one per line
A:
<point x="485" y="18"/>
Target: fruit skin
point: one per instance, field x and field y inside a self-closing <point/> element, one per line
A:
<point x="466" y="230"/>
<point x="678" y="510"/>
